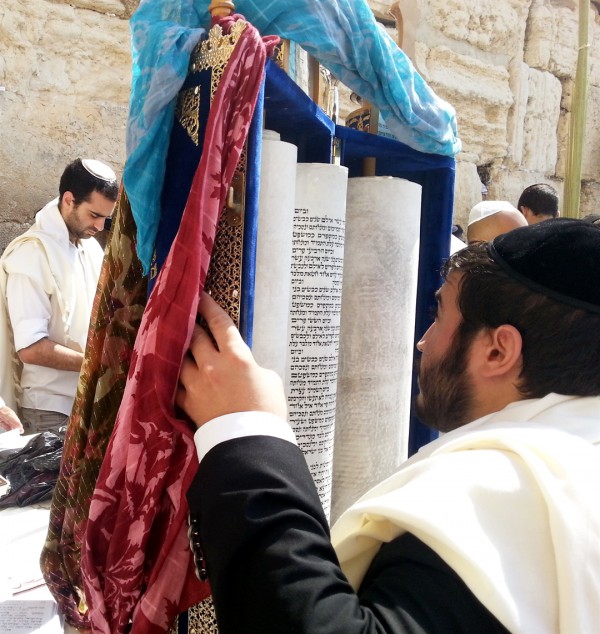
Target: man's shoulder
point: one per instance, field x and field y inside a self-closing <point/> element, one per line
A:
<point x="25" y="250"/>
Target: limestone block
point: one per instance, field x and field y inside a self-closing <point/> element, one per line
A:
<point x="589" y="202"/>
<point x="563" y="125"/>
<point x="540" y="141"/>
<point x="568" y="86"/>
<point x="56" y="47"/>
<point x="552" y="38"/>
<point x="108" y="7"/>
<point x="480" y="93"/>
<point x="121" y="8"/>
<point x="490" y="25"/>
<point x="591" y="148"/>
<point x="508" y="184"/>
<point x="594" y="57"/>
<point x="562" y="135"/>
<point x="467" y="191"/>
<point x="420" y="60"/>
<point x="590" y="167"/>
<point x="541" y="35"/>
<point x="519" y="85"/>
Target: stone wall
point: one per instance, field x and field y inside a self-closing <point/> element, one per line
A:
<point x="65" y="78"/>
<point x="507" y="66"/>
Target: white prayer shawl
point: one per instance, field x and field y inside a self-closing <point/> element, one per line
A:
<point x="51" y="235"/>
<point x="511" y="502"/>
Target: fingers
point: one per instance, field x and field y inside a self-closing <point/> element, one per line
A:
<point x="188" y="371"/>
<point x="189" y="388"/>
<point x="8" y="416"/>
<point x="180" y="396"/>
<point x="201" y="344"/>
<point x="220" y="325"/>
<point x="222" y="379"/>
<point x="9" y="421"/>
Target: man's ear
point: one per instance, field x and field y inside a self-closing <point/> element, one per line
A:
<point x="66" y="200"/>
<point x="502" y="348"/>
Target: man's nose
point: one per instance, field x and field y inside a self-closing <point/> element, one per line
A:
<point x="98" y="223"/>
<point x="421" y="343"/>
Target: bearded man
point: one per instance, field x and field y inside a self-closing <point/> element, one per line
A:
<point x="493" y="527"/>
<point x="48" y="279"/>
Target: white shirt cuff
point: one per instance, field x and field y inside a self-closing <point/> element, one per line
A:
<point x="238" y="425"/>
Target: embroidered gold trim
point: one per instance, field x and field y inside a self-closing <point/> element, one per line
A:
<point x="282" y="55"/>
<point x="153" y="266"/>
<point x="188" y="109"/>
<point x="224" y="279"/>
<point x="214" y="52"/>
<point x="201" y="619"/>
<point x="211" y="54"/>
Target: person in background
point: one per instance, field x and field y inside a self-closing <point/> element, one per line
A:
<point x="491" y="218"/>
<point x="48" y="279"/>
<point x="493" y="527"/>
<point x="539" y="202"/>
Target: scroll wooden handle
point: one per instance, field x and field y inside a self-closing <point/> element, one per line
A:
<point x="396" y="12"/>
<point x="221" y="8"/>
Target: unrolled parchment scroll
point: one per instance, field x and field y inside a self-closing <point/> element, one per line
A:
<point x="317" y="268"/>
<point x="377" y="334"/>
<point x="274" y="253"/>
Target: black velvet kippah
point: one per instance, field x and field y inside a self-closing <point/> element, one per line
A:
<point x="559" y="258"/>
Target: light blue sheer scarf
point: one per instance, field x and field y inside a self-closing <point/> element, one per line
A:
<point x="342" y="34"/>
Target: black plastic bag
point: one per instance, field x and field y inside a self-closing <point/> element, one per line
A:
<point x="33" y="470"/>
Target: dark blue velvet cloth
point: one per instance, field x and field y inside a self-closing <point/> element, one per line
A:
<point x="182" y="160"/>
<point x="251" y="220"/>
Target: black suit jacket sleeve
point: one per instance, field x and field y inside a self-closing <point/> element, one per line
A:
<point x="272" y="568"/>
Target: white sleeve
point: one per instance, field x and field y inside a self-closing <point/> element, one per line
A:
<point x="238" y="425"/>
<point x="29" y="310"/>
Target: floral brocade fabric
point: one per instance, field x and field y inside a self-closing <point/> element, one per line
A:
<point x="116" y="316"/>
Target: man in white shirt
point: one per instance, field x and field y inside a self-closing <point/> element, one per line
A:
<point x="493" y="527"/>
<point x="48" y="279"/>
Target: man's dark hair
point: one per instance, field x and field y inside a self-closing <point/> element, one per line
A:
<point x="561" y="344"/>
<point x="542" y="199"/>
<point x="82" y="183"/>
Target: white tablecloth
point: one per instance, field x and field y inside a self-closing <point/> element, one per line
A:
<point x="26" y="605"/>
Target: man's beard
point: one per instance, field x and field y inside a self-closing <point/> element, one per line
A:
<point x="75" y="227"/>
<point x="446" y="399"/>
